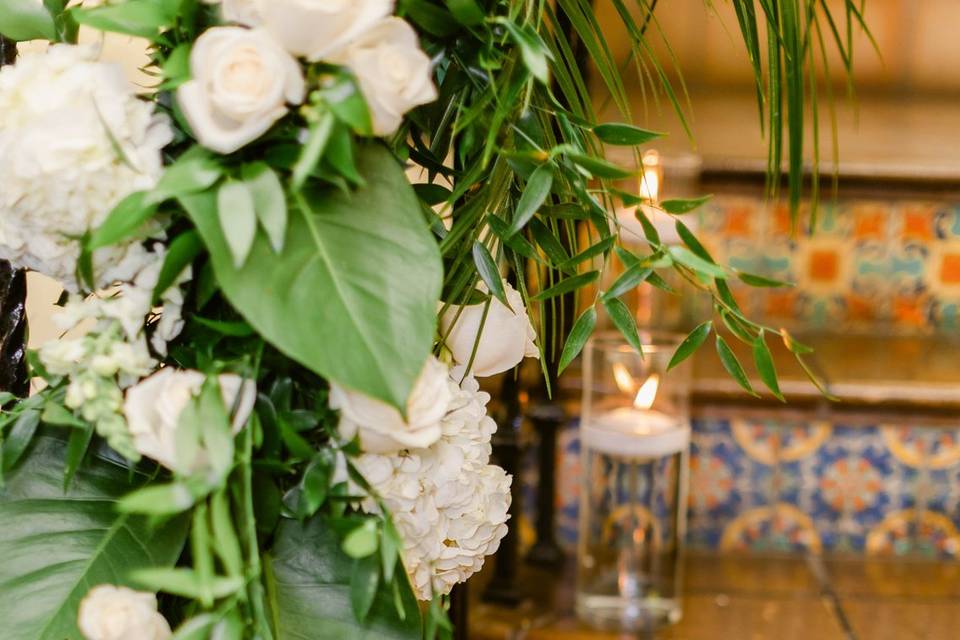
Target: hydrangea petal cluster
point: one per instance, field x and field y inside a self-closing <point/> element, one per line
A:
<point x="448" y="503"/>
<point x="75" y="140"/>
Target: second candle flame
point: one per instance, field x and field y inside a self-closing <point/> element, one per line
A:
<point x="647" y="393"/>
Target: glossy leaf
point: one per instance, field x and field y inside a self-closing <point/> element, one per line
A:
<point x="691" y="260"/>
<point x="681" y="206"/>
<point x="763" y="359"/>
<point x="363" y="585"/>
<point x="196" y="170"/>
<point x="269" y="201"/>
<point x="624" y="321"/>
<point x="238" y="220"/>
<point x="534" y="53"/>
<point x="628" y="280"/>
<point x="534" y="194"/>
<point x="579" y="334"/>
<point x="732" y="365"/>
<point x="567" y="285"/>
<point x="18" y="439"/>
<point x="124" y="221"/>
<point x="308" y="582"/>
<point x="690" y="344"/>
<point x="761" y="281"/>
<point x="26" y="20"/>
<point x="180" y="255"/>
<point x="489" y="272"/>
<point x="624" y="134"/>
<point x="142" y="18"/>
<point x="601" y="168"/>
<point x="691" y="241"/>
<point x="56" y="545"/>
<point x="650" y="231"/>
<point x="333" y="300"/>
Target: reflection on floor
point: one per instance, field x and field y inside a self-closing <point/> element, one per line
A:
<point x="731" y="597"/>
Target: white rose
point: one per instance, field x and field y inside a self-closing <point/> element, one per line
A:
<point x="395" y="75"/>
<point x="382" y="428"/>
<point x="242" y="82"/>
<point x="118" y="613"/>
<point x="507" y="334"/>
<point x="318" y="29"/>
<point x="153" y="408"/>
<point x="245" y="12"/>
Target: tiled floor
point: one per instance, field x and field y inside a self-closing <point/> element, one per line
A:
<point x="753" y="598"/>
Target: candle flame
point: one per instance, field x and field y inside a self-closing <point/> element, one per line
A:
<point x="647" y="393"/>
<point x="621" y="375"/>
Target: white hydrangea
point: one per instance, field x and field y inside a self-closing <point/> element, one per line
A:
<point x="74" y="141"/>
<point x="448" y="503"/>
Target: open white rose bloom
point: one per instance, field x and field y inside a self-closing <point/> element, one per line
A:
<point x="262" y="419"/>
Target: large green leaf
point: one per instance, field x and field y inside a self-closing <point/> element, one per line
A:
<point x="309" y="586"/>
<point x="353" y="294"/>
<point x="26" y="20"/>
<point x="56" y="546"/>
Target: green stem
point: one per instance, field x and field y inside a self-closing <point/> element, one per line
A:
<point x="255" y="572"/>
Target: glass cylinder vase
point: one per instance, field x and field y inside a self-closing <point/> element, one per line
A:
<point x="635" y="436"/>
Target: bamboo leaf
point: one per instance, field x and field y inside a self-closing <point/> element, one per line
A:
<point x="682" y="206"/>
<point x="567" y="285"/>
<point x="534" y="194"/>
<point x="624" y="321"/>
<point x="690" y="344"/>
<point x="732" y="365"/>
<point x="624" y="134"/>
<point x="765" y="367"/>
<point x="489" y="272"/>
<point x="579" y="334"/>
<point x="760" y="281"/>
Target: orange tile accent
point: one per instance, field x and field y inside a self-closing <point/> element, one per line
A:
<point x="909" y="311"/>
<point x="781" y="304"/>
<point x="824" y="265"/>
<point x="871" y="224"/>
<point x="782" y="225"/>
<point x="738" y="222"/>
<point x="917" y="225"/>
<point x="860" y="309"/>
<point x="950" y="269"/>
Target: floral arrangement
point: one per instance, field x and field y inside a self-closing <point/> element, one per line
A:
<point x="263" y="419"/>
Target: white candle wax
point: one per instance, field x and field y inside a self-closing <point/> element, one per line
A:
<point x="635" y="432"/>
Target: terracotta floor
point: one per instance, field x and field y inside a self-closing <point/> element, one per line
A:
<point x="750" y="598"/>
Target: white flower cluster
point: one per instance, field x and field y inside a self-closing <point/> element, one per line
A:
<point x="74" y="141"/>
<point x="243" y="79"/>
<point x="118" y="613"/>
<point x="448" y="503"/>
<point x="113" y="355"/>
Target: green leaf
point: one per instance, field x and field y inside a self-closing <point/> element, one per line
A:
<point x="363" y="540"/>
<point x="26" y="20"/>
<point x="223" y="531"/>
<point x="269" y="201"/>
<point x="567" y="285"/>
<point x="184" y="583"/>
<point x="690" y="344"/>
<point x="680" y="206"/>
<point x="124" y="221"/>
<point x="624" y="134"/>
<point x="629" y="279"/>
<point x="534" y="195"/>
<point x="732" y="365"/>
<point x="760" y="281"/>
<point x="308" y="579"/>
<point x="432" y="194"/>
<point x="180" y="255"/>
<point x="489" y="272"/>
<point x="649" y="230"/>
<point x="176" y="68"/>
<point x="158" y="500"/>
<point x="353" y="295"/>
<point x="363" y="585"/>
<point x="624" y="321"/>
<point x="196" y="170"/>
<point x="691" y="241"/>
<point x="601" y="168"/>
<point x="763" y="359"/>
<point x="533" y="51"/>
<point x="691" y="260"/>
<point x="579" y="334"/>
<point x="347" y="103"/>
<point x="21" y="435"/>
<point x="238" y="220"/>
<point x="601" y="247"/>
<point x="56" y="545"/>
<point x="516" y="241"/>
<point x="433" y="19"/>
<point x="143" y="18"/>
<point x="467" y="12"/>
<point x="312" y="152"/>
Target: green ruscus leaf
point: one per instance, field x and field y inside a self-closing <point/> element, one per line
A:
<point x="353" y="294"/>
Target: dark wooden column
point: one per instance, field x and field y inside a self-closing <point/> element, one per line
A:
<point x="13" y="299"/>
